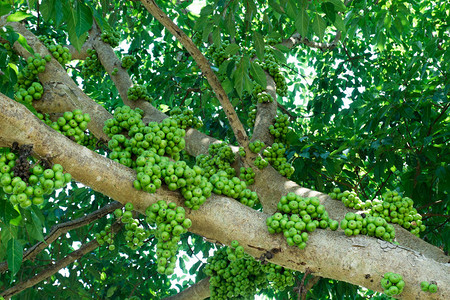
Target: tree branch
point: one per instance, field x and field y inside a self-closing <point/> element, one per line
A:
<point x="236" y="125"/>
<point x="297" y="39"/>
<point x="265" y="114"/>
<point x="198" y="291"/>
<point x="53" y="268"/>
<point x="61" y="92"/>
<point x="328" y="254"/>
<point x="62" y="228"/>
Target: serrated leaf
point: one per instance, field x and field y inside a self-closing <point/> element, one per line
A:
<point x="216" y="37"/>
<point x="302" y="23"/>
<point x="15" y="255"/>
<point x="230" y="25"/>
<point x="291" y="10"/>
<point x="274" y="5"/>
<point x="79" y="21"/>
<point x="200" y="23"/>
<point x="282" y="48"/>
<point x="339" y="23"/>
<point x="258" y="74"/>
<point x="52" y="10"/>
<point x="224" y="67"/>
<point x="17" y="16"/>
<point x="279" y="56"/>
<point x="319" y="26"/>
<point x="231" y="49"/>
<point x="239" y="75"/>
<point x="259" y="45"/>
<point x="338" y="5"/>
<point x="329" y="11"/>
<point x="227" y="86"/>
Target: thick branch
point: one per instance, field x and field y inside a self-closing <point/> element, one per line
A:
<point x="328" y="254"/>
<point x="61" y="92"/>
<point x="236" y="125"/>
<point x="63" y="228"/>
<point x="266" y="113"/>
<point x="198" y="291"/>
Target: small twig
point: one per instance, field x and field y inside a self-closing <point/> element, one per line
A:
<point x="333" y="180"/>
<point x="311" y="282"/>
<point x="203" y="63"/>
<point x="382" y="185"/>
<point x="297" y="39"/>
<point x="350" y="58"/>
<point x="435" y="215"/>
<point x="429" y="204"/>
<point x="302" y="283"/>
<point x="62" y="228"/>
<point x="52" y="269"/>
<point x="287" y="112"/>
<point x="188" y="91"/>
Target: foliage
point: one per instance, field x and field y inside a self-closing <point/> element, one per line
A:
<point x="369" y="113"/>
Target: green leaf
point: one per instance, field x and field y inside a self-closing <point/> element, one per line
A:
<point x="216" y="37"/>
<point x="282" y="48"/>
<point x="329" y="11"/>
<point x="111" y="291"/>
<point x="259" y="45"/>
<point x="274" y="5"/>
<point x="339" y="23"/>
<point x="5" y="8"/>
<point x="319" y="26"/>
<point x="207" y="10"/>
<point x="79" y="21"/>
<point x="231" y="49"/>
<point x="381" y="41"/>
<point x="35" y="232"/>
<point x="15" y="255"/>
<point x="52" y="10"/>
<point x="239" y="75"/>
<point x="7" y="211"/>
<point x="338" y="5"/>
<point x="230" y="25"/>
<point x="258" y="74"/>
<point x="291" y="10"/>
<point x="8" y="232"/>
<point x="17" y="16"/>
<point x="182" y="265"/>
<point x="302" y="23"/>
<point x="30" y="107"/>
<point x="279" y="56"/>
<point x="195" y="267"/>
<point x="24" y="43"/>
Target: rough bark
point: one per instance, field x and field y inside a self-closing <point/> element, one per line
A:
<point x="198" y="291"/>
<point x="359" y="260"/>
<point x="61" y="92"/>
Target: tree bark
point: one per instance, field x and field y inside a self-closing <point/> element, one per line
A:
<point x="198" y="291"/>
<point x="359" y="260"/>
